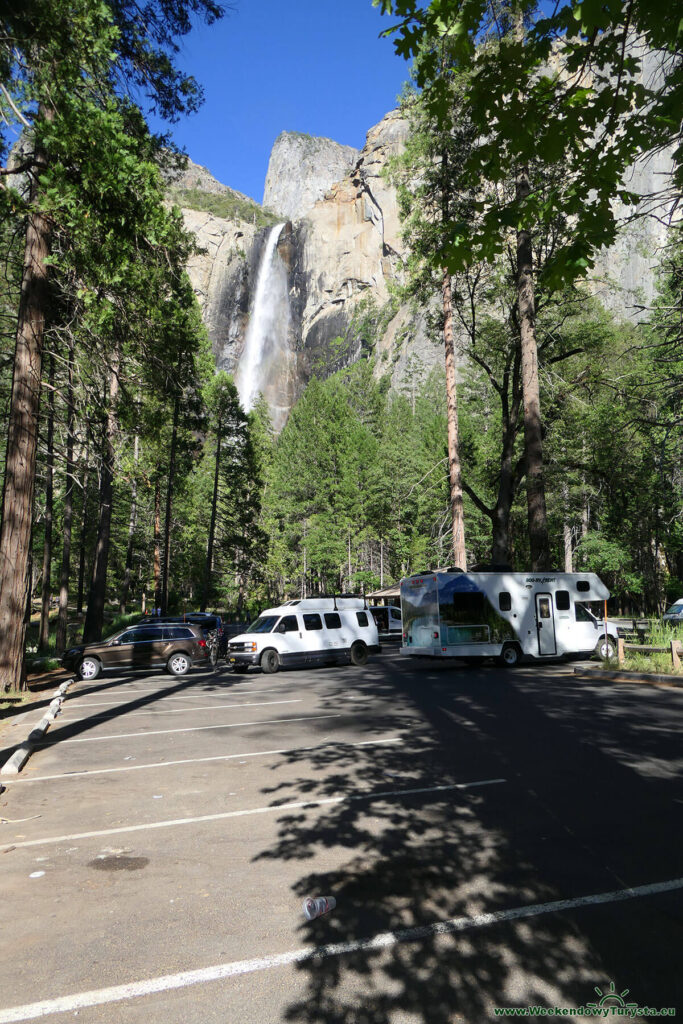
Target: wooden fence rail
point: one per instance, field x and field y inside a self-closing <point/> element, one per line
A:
<point x="675" y="648"/>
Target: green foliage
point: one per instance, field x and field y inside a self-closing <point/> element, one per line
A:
<point x="227" y="205"/>
<point x="566" y="90"/>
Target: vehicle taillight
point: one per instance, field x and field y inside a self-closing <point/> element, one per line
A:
<point x="435" y="635"/>
<point x="202" y="643"/>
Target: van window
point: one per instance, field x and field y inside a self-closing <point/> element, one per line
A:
<point x="332" y="620"/>
<point x="362" y="618"/>
<point x="562" y="600"/>
<point x="264" y="624"/>
<point x="288" y="624"/>
<point x="312" y="621"/>
<point x="394" y="613"/>
<point x="504" y="601"/>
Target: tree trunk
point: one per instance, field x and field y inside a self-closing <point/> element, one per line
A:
<point x="94" y="616"/>
<point x="500" y="520"/>
<point x="533" y="439"/>
<point x="84" y="528"/>
<point x="62" y="615"/>
<point x="20" y="464"/>
<point x="157" y="544"/>
<point x="212" y="524"/>
<point x="132" y="523"/>
<point x="454" y="474"/>
<point x="169" y="502"/>
<point x="44" y="630"/>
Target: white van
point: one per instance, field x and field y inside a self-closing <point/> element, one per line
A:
<point x="455" y="614"/>
<point x="388" y="619"/>
<point x="312" y="631"/>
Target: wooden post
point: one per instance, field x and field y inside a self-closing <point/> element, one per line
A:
<point x="675" y="654"/>
<point x="620" y="651"/>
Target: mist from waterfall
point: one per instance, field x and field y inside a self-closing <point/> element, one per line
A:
<point x="264" y="363"/>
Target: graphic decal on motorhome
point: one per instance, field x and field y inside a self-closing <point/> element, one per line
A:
<point x="467" y="615"/>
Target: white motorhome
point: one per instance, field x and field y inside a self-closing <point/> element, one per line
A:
<point x="312" y="631"/>
<point x="504" y="615"/>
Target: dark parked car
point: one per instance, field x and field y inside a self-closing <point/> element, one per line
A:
<point x="174" y="646"/>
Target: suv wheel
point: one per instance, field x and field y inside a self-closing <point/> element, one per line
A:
<point x="89" y="668"/>
<point x="178" y="664"/>
<point x="359" y="653"/>
<point x="270" y="662"/>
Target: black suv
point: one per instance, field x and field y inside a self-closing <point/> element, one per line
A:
<point x="206" y="621"/>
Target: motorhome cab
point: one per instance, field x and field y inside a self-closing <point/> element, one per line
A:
<point x="313" y="631"/>
<point x="504" y="615"/>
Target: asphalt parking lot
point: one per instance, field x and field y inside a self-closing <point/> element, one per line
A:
<point x="493" y="839"/>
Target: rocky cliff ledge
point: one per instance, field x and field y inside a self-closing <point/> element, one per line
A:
<point x="300" y="171"/>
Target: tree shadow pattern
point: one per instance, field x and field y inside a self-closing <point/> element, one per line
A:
<point x="574" y="817"/>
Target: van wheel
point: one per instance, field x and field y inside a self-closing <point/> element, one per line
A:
<point x="606" y="649"/>
<point x="89" y="668"/>
<point x="178" y="664"/>
<point x="359" y="653"/>
<point x="510" y="656"/>
<point x="270" y="662"/>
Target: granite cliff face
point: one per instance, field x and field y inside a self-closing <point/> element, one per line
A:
<point x="300" y="171"/>
<point x="339" y="248"/>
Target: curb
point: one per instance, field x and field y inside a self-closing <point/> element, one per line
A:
<point x="629" y="677"/>
<point x="21" y="755"/>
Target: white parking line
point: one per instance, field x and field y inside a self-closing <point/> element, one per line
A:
<point x="192" y="728"/>
<point x="385" y="940"/>
<point x="370" y="795"/>
<point x="194" y="760"/>
<point x="176" y="696"/>
<point x="104" y="716"/>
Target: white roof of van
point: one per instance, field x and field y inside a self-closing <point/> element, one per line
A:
<point x="316" y="604"/>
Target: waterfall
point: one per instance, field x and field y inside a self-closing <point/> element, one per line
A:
<point x="264" y="363"/>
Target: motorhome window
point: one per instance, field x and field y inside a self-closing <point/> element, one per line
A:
<point x="504" y="601"/>
<point x="332" y="620"/>
<point x="583" y="585"/>
<point x="362" y="618"/>
<point x="544" y="607"/>
<point x="582" y="612"/>
<point x="562" y="600"/>
<point x="312" y="621"/>
<point x="288" y="624"/>
<point x="264" y="624"/>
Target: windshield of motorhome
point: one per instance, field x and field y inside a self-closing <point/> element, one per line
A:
<point x="419" y="602"/>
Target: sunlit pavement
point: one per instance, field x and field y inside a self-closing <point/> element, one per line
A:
<point x="159" y="844"/>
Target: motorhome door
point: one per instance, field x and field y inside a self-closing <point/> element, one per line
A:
<point x="545" y="624"/>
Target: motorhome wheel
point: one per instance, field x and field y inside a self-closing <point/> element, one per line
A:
<point x="270" y="661"/>
<point x="606" y="649"/>
<point x="359" y="653"/>
<point x="510" y="655"/>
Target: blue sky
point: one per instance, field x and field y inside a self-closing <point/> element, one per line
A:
<point x="310" y="66"/>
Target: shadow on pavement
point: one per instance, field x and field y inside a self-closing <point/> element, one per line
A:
<point x="572" y="819"/>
